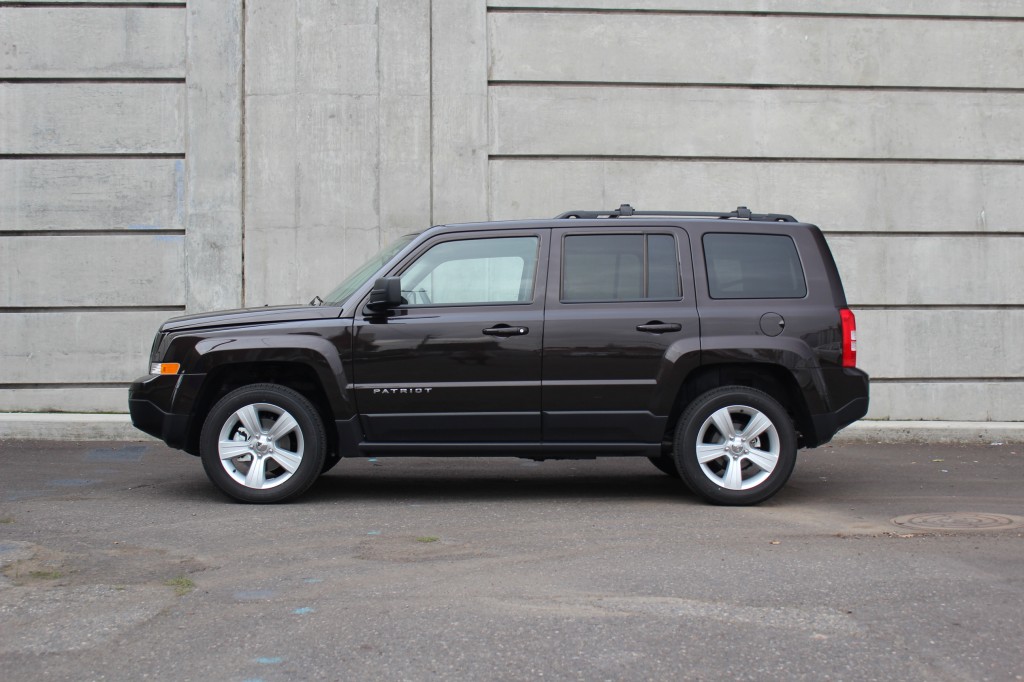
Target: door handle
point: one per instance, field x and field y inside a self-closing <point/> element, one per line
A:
<point x="505" y="330"/>
<point x="656" y="327"/>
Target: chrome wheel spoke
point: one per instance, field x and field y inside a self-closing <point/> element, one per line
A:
<point x="733" y="479"/>
<point x="722" y="420"/>
<point x="250" y="420"/>
<point x="257" y="475"/>
<point x="758" y="424"/>
<point x="765" y="460"/>
<point x="284" y="425"/>
<point x="709" y="452"/>
<point x="289" y="461"/>
<point x="229" y="449"/>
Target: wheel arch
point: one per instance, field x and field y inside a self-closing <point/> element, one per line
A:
<point x="777" y="381"/>
<point x="224" y="378"/>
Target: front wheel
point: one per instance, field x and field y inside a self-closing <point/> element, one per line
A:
<point x="735" y="446"/>
<point x="263" y="443"/>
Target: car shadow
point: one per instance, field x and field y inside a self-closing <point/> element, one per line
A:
<point x="495" y="479"/>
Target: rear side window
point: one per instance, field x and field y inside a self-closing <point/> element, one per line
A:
<point x="753" y="266"/>
<point x="620" y="267"/>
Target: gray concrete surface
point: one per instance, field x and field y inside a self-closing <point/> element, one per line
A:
<point x="120" y="561"/>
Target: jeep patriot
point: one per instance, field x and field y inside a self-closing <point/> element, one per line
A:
<point x="714" y="344"/>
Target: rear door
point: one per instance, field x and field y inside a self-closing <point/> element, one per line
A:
<point x="621" y="329"/>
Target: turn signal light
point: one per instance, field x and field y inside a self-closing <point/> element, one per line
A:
<point x="165" y="368"/>
<point x="849" y="323"/>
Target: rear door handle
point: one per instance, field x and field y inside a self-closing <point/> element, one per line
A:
<point x="505" y="330"/>
<point x="659" y="327"/>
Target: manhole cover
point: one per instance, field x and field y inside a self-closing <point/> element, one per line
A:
<point x="959" y="521"/>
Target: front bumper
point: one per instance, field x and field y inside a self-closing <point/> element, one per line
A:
<point x="150" y="401"/>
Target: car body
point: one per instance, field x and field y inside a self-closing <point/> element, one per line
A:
<point x="594" y="333"/>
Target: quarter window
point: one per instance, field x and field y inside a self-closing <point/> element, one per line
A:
<point x="620" y="267"/>
<point x="753" y="266"/>
<point x="498" y="270"/>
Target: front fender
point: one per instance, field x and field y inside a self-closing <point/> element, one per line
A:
<point x="206" y="352"/>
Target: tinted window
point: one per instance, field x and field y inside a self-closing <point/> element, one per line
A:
<point x="619" y="267"/>
<point x="499" y="270"/>
<point x="662" y="266"/>
<point x="753" y="266"/>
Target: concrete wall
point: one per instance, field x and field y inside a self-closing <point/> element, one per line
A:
<point x="120" y="189"/>
<point x="163" y="157"/>
<point x="365" y="120"/>
<point x="92" y="148"/>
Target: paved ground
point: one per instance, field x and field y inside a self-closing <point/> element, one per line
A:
<point x="120" y="561"/>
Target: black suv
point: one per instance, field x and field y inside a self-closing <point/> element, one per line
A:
<point x="714" y="344"/>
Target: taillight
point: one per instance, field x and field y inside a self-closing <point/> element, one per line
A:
<point x="849" y="323"/>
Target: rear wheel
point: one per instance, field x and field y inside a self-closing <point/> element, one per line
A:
<point x="735" y="445"/>
<point x="263" y="443"/>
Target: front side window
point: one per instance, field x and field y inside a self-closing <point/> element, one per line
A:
<point x="753" y="266"/>
<point x="620" y="267"/>
<point x="467" y="271"/>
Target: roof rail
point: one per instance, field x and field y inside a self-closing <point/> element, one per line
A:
<point x="625" y="210"/>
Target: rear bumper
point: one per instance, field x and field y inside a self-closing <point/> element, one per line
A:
<point x="848" y="391"/>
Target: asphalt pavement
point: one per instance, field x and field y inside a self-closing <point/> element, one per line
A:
<point x="119" y="561"/>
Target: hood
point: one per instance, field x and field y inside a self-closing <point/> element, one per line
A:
<point x="250" y="316"/>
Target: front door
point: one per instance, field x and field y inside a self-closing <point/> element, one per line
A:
<point x="461" y="361"/>
<point x="621" y="328"/>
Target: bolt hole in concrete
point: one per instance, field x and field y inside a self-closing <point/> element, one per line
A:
<point x="959" y="521"/>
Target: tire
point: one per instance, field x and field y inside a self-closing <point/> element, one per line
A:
<point x="735" y="446"/>
<point x="266" y="424"/>
<point x="666" y="464"/>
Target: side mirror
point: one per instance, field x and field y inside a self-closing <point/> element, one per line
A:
<point x="386" y="293"/>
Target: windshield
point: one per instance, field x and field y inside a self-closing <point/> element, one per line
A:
<point x="351" y="283"/>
